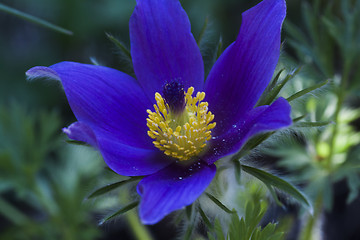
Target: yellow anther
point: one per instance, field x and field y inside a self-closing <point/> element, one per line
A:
<point x="181" y="136"/>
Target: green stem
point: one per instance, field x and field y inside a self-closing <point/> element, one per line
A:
<point x="307" y="233"/>
<point x="33" y="19"/>
<point x="341" y="97"/>
<point x="139" y="230"/>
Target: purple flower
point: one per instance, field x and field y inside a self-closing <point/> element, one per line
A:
<point x="154" y="126"/>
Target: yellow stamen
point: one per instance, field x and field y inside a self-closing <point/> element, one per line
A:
<point x="183" y="135"/>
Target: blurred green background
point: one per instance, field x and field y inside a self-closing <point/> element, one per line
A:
<point x="44" y="180"/>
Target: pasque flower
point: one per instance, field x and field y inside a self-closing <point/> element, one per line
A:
<point x="169" y="124"/>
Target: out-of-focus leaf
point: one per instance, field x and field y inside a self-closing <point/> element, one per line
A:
<point x="190" y="224"/>
<point x="251" y="144"/>
<point x="312" y="124"/>
<point x="189" y="211"/>
<point x="279" y="183"/>
<point x="205" y="218"/>
<point x="202" y="32"/>
<point x="12" y="213"/>
<point x="237" y="169"/>
<point x="119" y="212"/>
<point x="298" y="118"/>
<point x="111" y="187"/>
<point x="76" y="142"/>
<point x="120" y="46"/>
<point x="33" y="19"/>
<point x="270" y="96"/>
<point x="218" y="230"/>
<point x="220" y="204"/>
<point x="306" y="90"/>
<point x="353" y="181"/>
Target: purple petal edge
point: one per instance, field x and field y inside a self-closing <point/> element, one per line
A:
<point x="171" y="189"/>
<point x="79" y="131"/>
<point x="42" y="72"/>
<point x="259" y="120"/>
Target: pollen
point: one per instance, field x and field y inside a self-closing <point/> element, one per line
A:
<point x="181" y="135"/>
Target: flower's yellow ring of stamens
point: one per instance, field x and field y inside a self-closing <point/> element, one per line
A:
<point x="181" y="135"/>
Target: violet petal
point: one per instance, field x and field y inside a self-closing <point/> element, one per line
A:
<point x="162" y="46"/>
<point x="243" y="71"/>
<point x="171" y="189"/>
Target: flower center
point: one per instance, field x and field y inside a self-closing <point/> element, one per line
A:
<point x="181" y="124"/>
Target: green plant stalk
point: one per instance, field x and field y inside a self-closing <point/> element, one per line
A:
<point x="306" y="234"/>
<point x="139" y="230"/>
<point x="33" y="19"/>
<point x="341" y="97"/>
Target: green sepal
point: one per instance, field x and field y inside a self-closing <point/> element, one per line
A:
<point x="306" y="90"/>
<point x="111" y="187"/>
<point x="278" y="183"/>
<point x="220" y="204"/>
<point x="204" y="218"/>
<point x="120" y="46"/>
<point x="272" y="92"/>
<point x="77" y="142"/>
<point x="189" y="211"/>
<point x="120" y="211"/>
<point x="237" y="169"/>
<point x="312" y="124"/>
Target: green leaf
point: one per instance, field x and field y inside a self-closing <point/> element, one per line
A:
<point x="189" y="211"/>
<point x="111" y="187"/>
<point x="12" y="213"/>
<point x="202" y="32"/>
<point x="270" y="96"/>
<point x="312" y="124"/>
<point x="279" y="183"/>
<point x="33" y="19"/>
<point x="77" y="142"/>
<point x="274" y="195"/>
<point x="353" y="182"/>
<point x="218" y="230"/>
<point x="237" y="168"/>
<point x="119" y="212"/>
<point x="190" y="229"/>
<point x="251" y="144"/>
<point x="294" y="120"/>
<point x="205" y="218"/>
<point x="306" y="90"/>
<point x="217" y="202"/>
<point x="120" y="46"/>
<point x="268" y="89"/>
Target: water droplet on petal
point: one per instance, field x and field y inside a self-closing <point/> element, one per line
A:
<point x="180" y="178"/>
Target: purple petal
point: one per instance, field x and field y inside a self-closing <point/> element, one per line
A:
<point x="162" y="46"/>
<point x="129" y="160"/>
<point x="42" y="72"/>
<point x="259" y="120"/>
<point x="79" y="131"/>
<point x="105" y="99"/>
<point x="171" y="189"/>
<point x="244" y="70"/>
<point x="120" y="157"/>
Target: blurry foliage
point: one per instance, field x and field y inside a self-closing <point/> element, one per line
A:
<point x="41" y="183"/>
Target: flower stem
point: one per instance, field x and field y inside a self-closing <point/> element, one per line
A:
<point x="139" y="230"/>
<point x="341" y="97"/>
<point x="33" y="19"/>
<point x="308" y="232"/>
